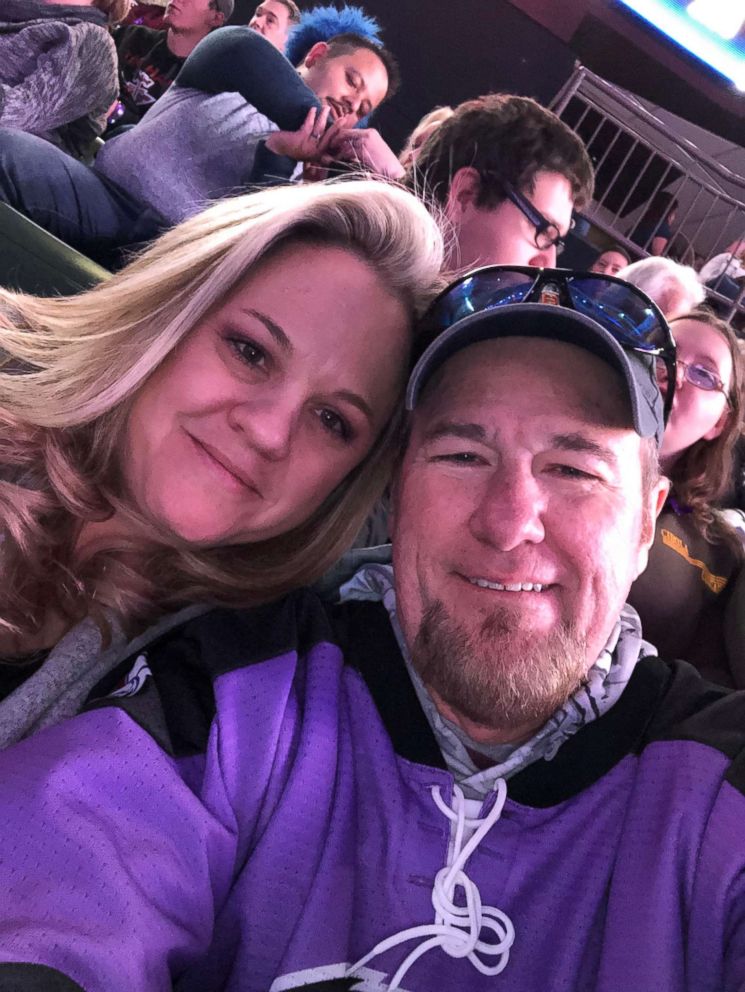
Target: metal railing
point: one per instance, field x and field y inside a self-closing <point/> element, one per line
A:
<point x="636" y="159"/>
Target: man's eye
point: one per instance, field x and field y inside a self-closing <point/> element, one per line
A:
<point x="572" y="472"/>
<point x="249" y="352"/>
<point x="460" y="458"/>
<point x="335" y="423"/>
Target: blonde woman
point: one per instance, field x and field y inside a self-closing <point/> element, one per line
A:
<point x="210" y="426"/>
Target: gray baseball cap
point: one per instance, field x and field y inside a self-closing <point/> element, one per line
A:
<point x="558" y="323"/>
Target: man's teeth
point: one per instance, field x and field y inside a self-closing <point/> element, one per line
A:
<point x="510" y="587"/>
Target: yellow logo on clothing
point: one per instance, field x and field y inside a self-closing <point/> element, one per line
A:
<point x="715" y="582"/>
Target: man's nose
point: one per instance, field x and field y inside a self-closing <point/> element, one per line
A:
<point x="510" y="511"/>
<point x="544" y="258"/>
<point x="267" y="425"/>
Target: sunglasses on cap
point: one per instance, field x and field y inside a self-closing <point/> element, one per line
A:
<point x="624" y="311"/>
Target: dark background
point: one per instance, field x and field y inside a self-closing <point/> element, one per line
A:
<point x="450" y="51"/>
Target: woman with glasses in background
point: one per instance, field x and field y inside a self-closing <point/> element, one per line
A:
<point x="684" y="595"/>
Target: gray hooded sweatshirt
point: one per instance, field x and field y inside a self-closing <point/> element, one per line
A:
<point x="58" y="71"/>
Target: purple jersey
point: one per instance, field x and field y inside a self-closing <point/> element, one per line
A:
<point x="262" y="802"/>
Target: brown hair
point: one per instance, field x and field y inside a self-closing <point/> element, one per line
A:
<point x="702" y="475"/>
<point x="293" y="9"/>
<point x="115" y="10"/>
<point x="503" y="137"/>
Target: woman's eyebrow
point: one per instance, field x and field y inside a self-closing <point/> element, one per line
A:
<point x="356" y="400"/>
<point x="274" y="329"/>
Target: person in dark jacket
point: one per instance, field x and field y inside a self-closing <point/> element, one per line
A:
<point x="149" y="60"/>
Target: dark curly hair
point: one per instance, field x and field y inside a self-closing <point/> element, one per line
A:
<point x="503" y="137"/>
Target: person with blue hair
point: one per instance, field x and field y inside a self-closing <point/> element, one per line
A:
<point x="324" y="22"/>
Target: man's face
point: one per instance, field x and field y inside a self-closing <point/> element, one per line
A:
<point x="519" y="527"/>
<point x="503" y="235"/>
<point x="192" y="16"/>
<point x="272" y="19"/>
<point x="609" y="263"/>
<point x="351" y="84"/>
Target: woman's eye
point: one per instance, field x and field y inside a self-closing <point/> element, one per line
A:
<point x="249" y="352"/>
<point x="333" y="422"/>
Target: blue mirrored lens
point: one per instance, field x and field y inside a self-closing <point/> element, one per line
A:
<point x="481" y="293"/>
<point x="617" y="308"/>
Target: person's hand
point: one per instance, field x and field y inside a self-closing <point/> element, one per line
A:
<point x="304" y="144"/>
<point x="363" y="147"/>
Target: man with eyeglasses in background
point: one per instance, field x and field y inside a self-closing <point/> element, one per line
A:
<point x="465" y="769"/>
<point x="508" y="174"/>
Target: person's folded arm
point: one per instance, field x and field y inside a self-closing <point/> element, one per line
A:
<point x="239" y="60"/>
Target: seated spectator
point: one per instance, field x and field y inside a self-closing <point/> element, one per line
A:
<point x="58" y="69"/>
<point x="728" y="264"/>
<point x="611" y="261"/>
<point x="149" y="60"/>
<point x="674" y="288"/>
<point x="239" y="115"/>
<point x="471" y="773"/>
<point x="654" y="229"/>
<point x="321" y="23"/>
<point x="508" y="174"/>
<point x="426" y="126"/>
<point x="275" y="19"/>
<point x="211" y="425"/>
<point x="682" y="596"/>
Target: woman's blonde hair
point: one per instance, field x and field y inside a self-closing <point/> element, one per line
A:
<point x="72" y="367"/>
<point x="430" y="120"/>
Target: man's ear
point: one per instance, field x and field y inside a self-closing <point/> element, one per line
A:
<point x="217" y="20"/>
<point x="465" y="187"/>
<point x="317" y="52"/>
<point x="651" y="510"/>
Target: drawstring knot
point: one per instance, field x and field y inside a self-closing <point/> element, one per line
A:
<point x="457" y="930"/>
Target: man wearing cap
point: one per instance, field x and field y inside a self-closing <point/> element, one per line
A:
<point x="469" y="764"/>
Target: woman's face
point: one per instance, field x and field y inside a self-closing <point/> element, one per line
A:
<point x="270" y="402"/>
<point x="697" y="413"/>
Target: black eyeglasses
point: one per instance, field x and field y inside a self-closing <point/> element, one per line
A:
<point x="697" y="375"/>
<point x="633" y="320"/>
<point x="547" y="234"/>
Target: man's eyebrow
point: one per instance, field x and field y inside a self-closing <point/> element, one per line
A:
<point x="581" y="443"/>
<point x="455" y="428"/>
<point x="274" y="329"/>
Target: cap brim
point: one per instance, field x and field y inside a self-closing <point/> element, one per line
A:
<point x="557" y="323"/>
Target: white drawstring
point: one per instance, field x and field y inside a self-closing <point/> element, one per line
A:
<point x="457" y="929"/>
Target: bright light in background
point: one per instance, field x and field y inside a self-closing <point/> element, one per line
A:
<point x="725" y="17"/>
<point x="704" y="28"/>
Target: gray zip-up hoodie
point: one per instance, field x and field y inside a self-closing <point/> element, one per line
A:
<point x="58" y="71"/>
